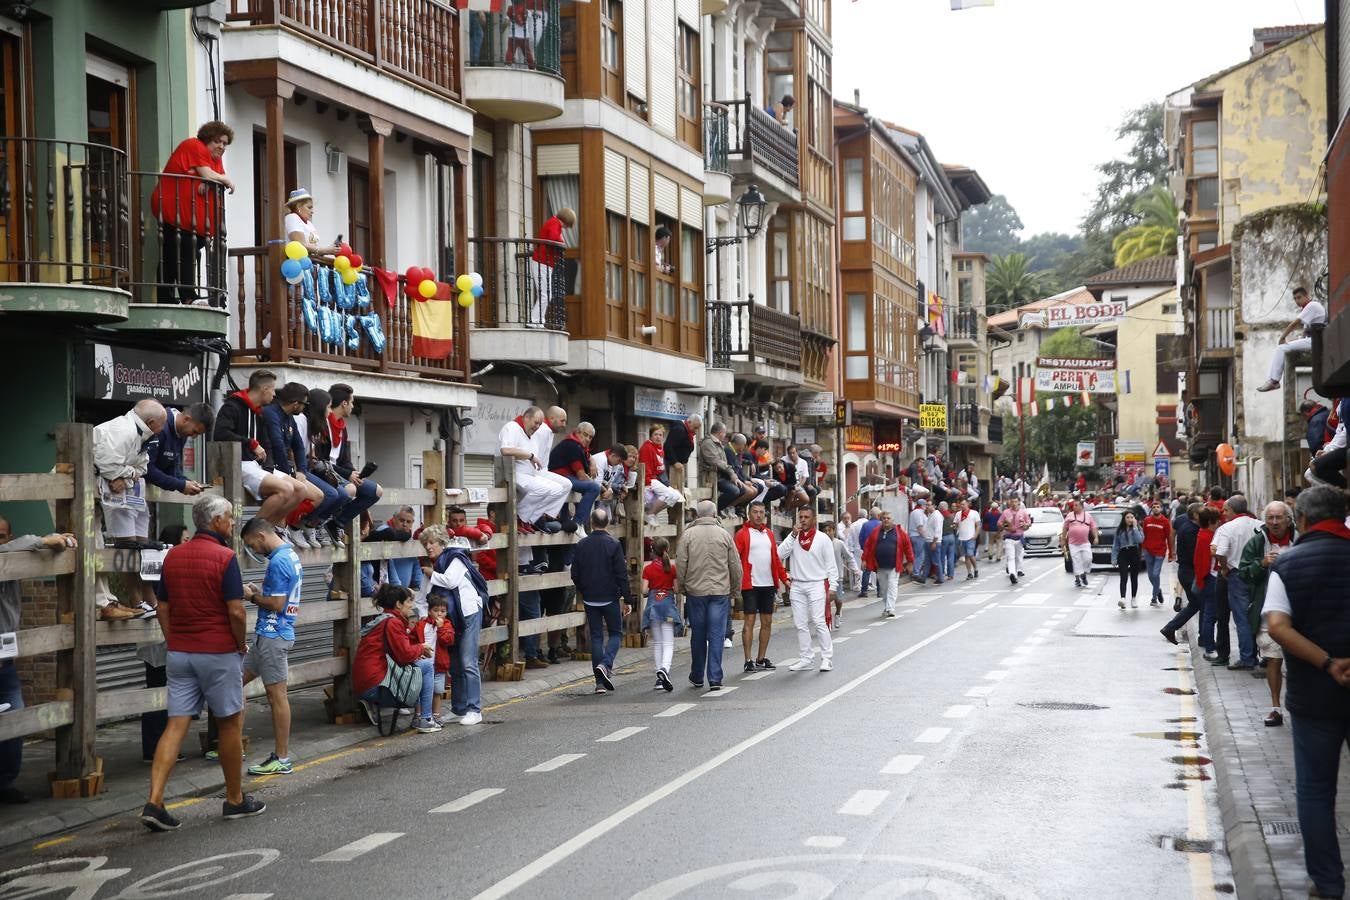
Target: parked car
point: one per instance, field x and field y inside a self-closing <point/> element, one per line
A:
<point x="1108" y="519"/>
<point x="1043" y="535"/>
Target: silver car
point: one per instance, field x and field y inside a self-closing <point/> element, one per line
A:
<point x="1043" y="536"/>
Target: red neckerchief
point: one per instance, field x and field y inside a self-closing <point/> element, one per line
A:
<point x="764" y="527"/>
<point x="337" y="430"/>
<point x="520" y="420"/>
<point x="243" y="395"/>
<point x="1331" y="526"/>
<point x="965" y="514"/>
<point x="1288" y="539"/>
<point x="806" y="538"/>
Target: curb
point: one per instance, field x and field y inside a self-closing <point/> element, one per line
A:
<point x="1244" y="839"/>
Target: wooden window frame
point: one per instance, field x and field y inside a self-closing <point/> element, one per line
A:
<point x="689" y="123"/>
<point x="611" y="28"/>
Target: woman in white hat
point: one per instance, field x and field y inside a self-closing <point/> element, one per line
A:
<point x="299" y="222"/>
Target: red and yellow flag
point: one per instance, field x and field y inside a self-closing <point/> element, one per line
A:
<point x="433" y="324"/>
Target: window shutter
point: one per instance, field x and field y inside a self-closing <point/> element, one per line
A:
<point x="661" y="28"/>
<point x="635" y="47"/>
<point x="616" y="181"/>
<point x="667" y="195"/>
<point x="557" y="159"/>
<point x="688" y="12"/>
<point x="638" y="192"/>
<point x="691" y="208"/>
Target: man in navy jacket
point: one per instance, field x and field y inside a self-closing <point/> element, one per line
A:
<point x="600" y="572"/>
<point x="165" y="450"/>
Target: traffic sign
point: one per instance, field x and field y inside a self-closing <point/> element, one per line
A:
<point x="1161" y="451"/>
<point x="1162" y="466"/>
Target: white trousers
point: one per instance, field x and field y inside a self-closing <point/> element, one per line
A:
<point x="1014" y="552"/>
<point x="808" y="614"/>
<point x="1282" y="350"/>
<point x="663" y="644"/>
<point x="541" y="494"/>
<point x="658" y="490"/>
<point x="888" y="586"/>
<point x="542" y="293"/>
<point x="1080" y="555"/>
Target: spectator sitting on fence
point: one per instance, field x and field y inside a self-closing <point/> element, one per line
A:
<point x="165" y="451"/>
<point x="1317" y="416"/>
<point x="1310" y="313"/>
<point x="1328" y="463"/>
<point x="121" y="459"/>
<point x="240" y="420"/>
<point x="679" y="446"/>
<point x="612" y="476"/>
<point x="769" y="488"/>
<point x="289" y="455"/>
<point x="714" y="462"/>
<point x="571" y="458"/>
<point x="387" y="638"/>
<point x="453" y="575"/>
<point x="312" y="426"/>
<point x="278" y="602"/>
<point x="541" y="493"/>
<point x="658" y="494"/>
<point x="201" y="612"/>
<point x="362" y="489"/>
<point x="398" y="528"/>
<point x="11" y="614"/>
<point x="788" y="474"/>
<point x="434" y="629"/>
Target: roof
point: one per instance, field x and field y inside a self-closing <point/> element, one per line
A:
<point x="968" y="184"/>
<point x="1155" y="270"/>
<point x="1278" y="34"/>
<point x="1201" y="83"/>
<point x="1010" y="318"/>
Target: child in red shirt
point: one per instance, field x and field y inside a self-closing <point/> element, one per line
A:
<point x="662" y="615"/>
<point x="436" y="628"/>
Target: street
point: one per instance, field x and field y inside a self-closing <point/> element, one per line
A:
<point x="991" y="741"/>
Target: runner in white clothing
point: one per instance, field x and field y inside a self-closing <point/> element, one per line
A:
<point x="809" y="555"/>
<point x="542" y="494"/>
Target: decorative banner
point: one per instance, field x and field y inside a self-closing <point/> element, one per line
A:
<point x="1084" y="314"/>
<point x="1031" y="320"/>
<point x="1072" y="381"/>
<point x="433" y="322"/>
<point x="1087" y="454"/>
<point x="933" y="415"/>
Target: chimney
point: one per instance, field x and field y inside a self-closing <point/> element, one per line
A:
<point x="857" y="98"/>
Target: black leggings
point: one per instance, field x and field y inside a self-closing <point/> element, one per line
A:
<point x="1127" y="564"/>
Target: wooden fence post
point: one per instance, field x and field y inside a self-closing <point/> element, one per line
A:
<point x="347" y="632"/>
<point x="511" y="600"/>
<point x="222" y="459"/>
<point x="433" y="474"/>
<point x="635" y="546"/>
<point x="75" y="669"/>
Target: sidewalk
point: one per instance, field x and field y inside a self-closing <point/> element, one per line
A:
<point x="127" y="777"/>
<point x="1254" y="778"/>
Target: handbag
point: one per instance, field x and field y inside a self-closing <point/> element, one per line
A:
<point x="404" y="684"/>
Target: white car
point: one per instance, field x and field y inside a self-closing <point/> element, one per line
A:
<point x="1043" y="535"/>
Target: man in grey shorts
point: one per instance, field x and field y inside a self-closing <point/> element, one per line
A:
<point x="201" y="612"/>
<point x="278" y="602"/>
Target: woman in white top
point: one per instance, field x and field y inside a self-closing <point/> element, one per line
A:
<point x="299" y="222"/>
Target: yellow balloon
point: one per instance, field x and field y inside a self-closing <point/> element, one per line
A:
<point x="427" y="289"/>
<point x="342" y="263"/>
<point x="464" y="283"/>
<point x="466" y="299"/>
<point x="296" y="250"/>
<point x="349" y="276"/>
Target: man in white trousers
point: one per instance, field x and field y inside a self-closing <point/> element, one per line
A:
<point x="541" y="492"/>
<point x="1013" y="525"/>
<point x="1080" y="530"/>
<point x="809" y="556"/>
<point x="1310" y="313"/>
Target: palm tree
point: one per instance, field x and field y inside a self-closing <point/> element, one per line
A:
<point x="1155" y="234"/>
<point x="1010" y="282"/>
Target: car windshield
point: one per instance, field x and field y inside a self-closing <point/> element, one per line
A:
<point x="1108" y="518"/>
<point x="1046" y="514"/>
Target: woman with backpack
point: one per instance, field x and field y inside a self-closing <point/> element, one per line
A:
<point x="1125" y="556"/>
<point x="391" y="662"/>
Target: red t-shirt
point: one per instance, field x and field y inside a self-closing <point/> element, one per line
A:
<point x="1156" y="532"/>
<point x="551" y="231"/>
<point x="658" y="579"/>
<point x="653" y="456"/>
<point x="176" y="201"/>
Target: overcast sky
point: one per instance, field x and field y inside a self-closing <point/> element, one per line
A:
<point x="1030" y="92"/>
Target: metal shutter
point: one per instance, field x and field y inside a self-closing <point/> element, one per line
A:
<point x="691" y="208"/>
<point x="662" y="29"/>
<point x="557" y="159"/>
<point x="639" y="191"/>
<point x="667" y="196"/>
<point x="635" y="47"/>
<point x="688" y="11"/>
<point x="616" y="181"/>
<point x="479" y="472"/>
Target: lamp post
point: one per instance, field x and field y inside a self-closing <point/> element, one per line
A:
<point x="749" y="219"/>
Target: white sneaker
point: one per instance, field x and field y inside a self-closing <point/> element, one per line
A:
<point x="802" y="664"/>
<point x="298" y="539"/>
<point x="323" y="537"/>
<point x="471" y="718"/>
<point x="1121" y="603"/>
<point x="726" y="643"/>
<point x="1134" y="604"/>
<point x="312" y="535"/>
<point x="826" y="665"/>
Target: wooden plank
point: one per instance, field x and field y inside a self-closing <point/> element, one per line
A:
<point x="36" y="486"/>
<point x="460" y="496"/>
<point x="145" y="631"/>
<point x="45" y="639"/>
<point x="494" y="634"/>
<point x="376" y="550"/>
<point x="76" y="669"/>
<point x="543" y="581"/>
<point x="314" y="671"/>
<point x="546" y="540"/>
<point x="113" y="705"/>
<point x="497" y="587"/>
<point x="35" y="564"/>
<point x="552" y="623"/>
<point x="433" y="475"/>
<point x="19" y="723"/>
<point x="407" y="496"/>
<point x="159" y="495"/>
<point x="347" y="631"/>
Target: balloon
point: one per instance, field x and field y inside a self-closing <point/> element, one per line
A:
<point x="1227" y="458"/>
<point x="411" y="279"/>
<point x="296" y="278"/>
<point x="349" y="276"/>
<point x="477" y="280"/>
<point x="355" y="260"/>
<point x="291" y="270"/>
<point x="466" y="299"/>
<point x="295" y="250"/>
<point x="306" y="263"/>
<point x="477" y="290"/>
<point x="427" y="275"/>
<point x="427" y="289"/>
<point x="344" y="249"/>
<point x="464" y="283"/>
<point x="342" y="263"/>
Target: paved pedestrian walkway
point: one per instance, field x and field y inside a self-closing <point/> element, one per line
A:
<point x="1254" y="772"/>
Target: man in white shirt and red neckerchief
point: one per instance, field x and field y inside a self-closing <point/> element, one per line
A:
<point x="1013" y="525"/>
<point x="932" y="535"/>
<point x="759" y="585"/>
<point x="809" y="554"/>
<point x="542" y="493"/>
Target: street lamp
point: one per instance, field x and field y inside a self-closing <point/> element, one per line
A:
<point x="749" y="219"/>
<point x="926" y="335"/>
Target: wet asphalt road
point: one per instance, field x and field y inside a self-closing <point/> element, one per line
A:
<point x="991" y="741"/>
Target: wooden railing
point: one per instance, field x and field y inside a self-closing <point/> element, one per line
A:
<point x="1218" y="328"/>
<point x="757" y="136"/>
<point x="755" y="331"/>
<point x="416" y="39"/>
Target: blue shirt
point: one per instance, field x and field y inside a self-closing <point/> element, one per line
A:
<point x="885" y="549"/>
<point x="283" y="579"/>
<point x="165" y="455"/>
<point x="865" y="532"/>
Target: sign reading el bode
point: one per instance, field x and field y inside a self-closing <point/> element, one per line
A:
<point x="1064" y="375"/>
<point x="1084" y="314"/>
<point x="933" y="415"/>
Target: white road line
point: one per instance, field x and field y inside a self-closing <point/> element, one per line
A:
<point x="863" y="803"/>
<point x="877" y="623"/>
<point x="1031" y="599"/>
<point x="567" y="848"/>
<point x="902" y="764"/>
<point x="825" y="841"/>
<point x="1042" y="632"/>
<point x="839" y="640"/>
<point x="980" y="690"/>
<point x="960" y="711"/>
<point x="1086" y="601"/>
<point x="1012" y="661"/>
<point x="858" y="631"/>
<point x="1021" y="649"/>
<point x="990" y="606"/>
<point x="621" y="734"/>
<point x="1033" y="641"/>
<point x="932" y="735"/>
<point x="713" y="695"/>
<point x="248" y="897"/>
<point x="556" y="762"/>
<point x="470" y="799"/>
<point x="674" y="710"/>
<point x="366" y="844"/>
<point x="996" y="675"/>
<point x="758" y="675"/>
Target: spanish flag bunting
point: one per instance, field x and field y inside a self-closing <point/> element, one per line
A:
<point x="1033" y="409"/>
<point x="1049" y="404"/>
<point x="433" y="322"/>
<point x="1087" y="398"/>
<point x="1068" y="400"/>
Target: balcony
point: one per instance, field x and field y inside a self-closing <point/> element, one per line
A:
<point x="761" y="345"/>
<point x="522" y="314"/>
<point x="762" y="148"/>
<point x="307" y="324"/>
<point x="964" y="330"/>
<point x="995" y="431"/>
<point x="514" y="70"/>
<point x="963" y="424"/>
<point x="716" y="168"/>
<point x="1216" y="337"/>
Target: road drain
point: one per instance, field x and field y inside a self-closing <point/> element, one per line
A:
<point x="1060" y="704"/>
<point x="1281" y="826"/>
<point x="1184" y="692"/>
<point x="1186" y="845"/>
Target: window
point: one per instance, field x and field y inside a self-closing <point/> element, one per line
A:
<point x="1205" y="147"/>
<point x="637" y="276"/>
<point x="1169" y="309"/>
<point x="778" y="72"/>
<point x="690" y="106"/>
<point x="1206" y="195"/>
<point x="1205" y="240"/>
<point x="855" y="220"/>
<point x="857" y="323"/>
<point x="965" y="265"/>
<point x="611" y="49"/>
<point x="1021" y="336"/>
<point x="615" y="226"/>
<point x="691" y="305"/>
<point x="965" y="293"/>
<point x="819" y="106"/>
<point x="779" y="265"/>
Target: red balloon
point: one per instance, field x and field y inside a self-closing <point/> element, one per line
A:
<point x="344" y="249"/>
<point x="428" y="274"/>
<point x="412" y="278"/>
<point x="355" y="259"/>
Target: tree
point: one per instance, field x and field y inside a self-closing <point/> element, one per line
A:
<point x="1154" y="234"/>
<point x="1010" y="282"/>
<point x="991" y="227"/>
<point x="1052" y="436"/>
<point x="1049" y="250"/>
<point x="1125" y="180"/>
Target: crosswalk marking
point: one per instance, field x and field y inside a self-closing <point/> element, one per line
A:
<point x="825" y="841"/>
<point x="1042" y="632"/>
<point x="556" y="762"/>
<point x="863" y="803"/>
<point x="1033" y="640"/>
<point x="349" y="852"/>
<point x="470" y="799"/>
<point x="1032" y="599"/>
<point x="723" y="692"/>
<point x="1085" y="601"/>
<point x="902" y="764"/>
<point x="960" y="711"/>
<point x="932" y="735"/>
<point x="1012" y="661"/>
<point x="621" y="734"/>
<point x="973" y="600"/>
<point x="674" y="710"/>
<point x="980" y="690"/>
<point x="839" y="640"/>
<point x="758" y="675"/>
<point x="996" y="675"/>
<point x="858" y="631"/>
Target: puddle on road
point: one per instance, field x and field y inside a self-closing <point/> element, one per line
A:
<point x="1183" y="719"/>
<point x="1183" y="692"/>
<point x="1190" y="760"/>
<point x="1178" y="669"/>
<point x="1171" y="735"/>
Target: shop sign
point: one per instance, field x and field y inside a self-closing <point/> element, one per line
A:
<point x="933" y="415"/>
<point x="859" y="437"/>
<point x="1084" y="314"/>
<point x="1087" y="454"/>
<point x="129" y="374"/>
<point x="654" y="403"/>
<point x="1074" y="381"/>
<point x="803" y="436"/>
<point x="1129" y="452"/>
<point x="816" y="405"/>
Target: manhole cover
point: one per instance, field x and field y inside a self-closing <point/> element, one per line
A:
<point x="1059" y="704"/>
<point x="1186" y="845"/>
<point x="1281" y="826"/>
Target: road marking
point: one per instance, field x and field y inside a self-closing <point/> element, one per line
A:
<point x="863" y="803"/>
<point x="980" y="690"/>
<point x="932" y="735"/>
<point x="902" y="764"/>
<point x="960" y="711"/>
<point x="825" y="841"/>
<point x="1012" y="661"/>
<point x="758" y="675"/>
<point x="360" y="847"/>
<point x="675" y="710"/>
<point x="556" y="762"/>
<point x="1031" y="599"/>
<point x="989" y="607"/>
<point x="43" y="845"/>
<point x="877" y="623"/>
<point x="621" y="734"/>
<point x="996" y="675"/>
<point x="584" y="838"/>
<point x="713" y="695"/>
<point x="839" y="640"/>
<point x="1033" y="641"/>
<point x="471" y="799"/>
<point x="1086" y="601"/>
<point x="248" y="897"/>
<point x="1042" y="632"/>
<point x="1021" y="649"/>
<point x="858" y="631"/>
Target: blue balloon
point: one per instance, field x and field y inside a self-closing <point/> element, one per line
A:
<point x="478" y="290"/>
<point x="291" y="269"/>
<point x="306" y="263"/>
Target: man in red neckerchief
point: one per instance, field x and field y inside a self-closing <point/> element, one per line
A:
<point x="809" y="555"/>
<point x="759" y="585"/>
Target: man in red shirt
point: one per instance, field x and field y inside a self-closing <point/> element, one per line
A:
<point x="185" y="201"/>
<point x="201" y="612"/>
<point x="652" y="455"/>
<point x="571" y="458"/>
<point x="1159" y="547"/>
<point x="548" y="290"/>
